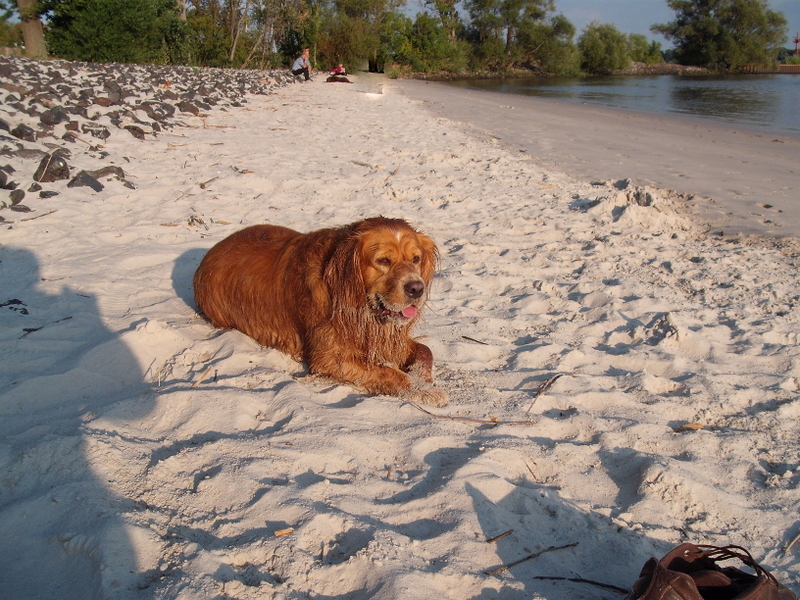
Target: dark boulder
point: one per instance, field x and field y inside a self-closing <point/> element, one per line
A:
<point x="52" y="168"/>
<point x="23" y="132"/>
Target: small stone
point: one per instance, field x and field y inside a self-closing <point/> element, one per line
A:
<point x="84" y="179"/>
<point x="23" y="132"/>
<point x="188" y="107"/>
<point x="98" y="131"/>
<point x="135" y="131"/>
<point x="16" y="197"/>
<point x="52" y="168"/>
<point x="54" y="116"/>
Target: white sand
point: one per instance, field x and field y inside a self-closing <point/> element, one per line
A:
<point x="739" y="180"/>
<point x="127" y="474"/>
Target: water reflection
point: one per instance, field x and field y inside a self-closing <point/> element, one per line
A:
<point x="767" y="102"/>
<point x="748" y="99"/>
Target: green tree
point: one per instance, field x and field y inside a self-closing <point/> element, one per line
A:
<point x="503" y="18"/>
<point x="495" y="27"/>
<point x="209" y="43"/>
<point x="303" y="23"/>
<point x="133" y="31"/>
<point x="423" y="45"/>
<point x="448" y="15"/>
<point x="352" y="31"/>
<point x="30" y="28"/>
<point x="10" y="34"/>
<point x="643" y="51"/>
<point x="604" y="49"/>
<point x="786" y="57"/>
<point x="549" y="46"/>
<point x="346" y="40"/>
<point x="396" y="37"/>
<point x="242" y="33"/>
<point x="430" y="42"/>
<point x="517" y="12"/>
<point x="724" y="34"/>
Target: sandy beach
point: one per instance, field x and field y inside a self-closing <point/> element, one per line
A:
<point x="738" y="180"/>
<point x="620" y="381"/>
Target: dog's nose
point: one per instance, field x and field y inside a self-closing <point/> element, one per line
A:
<point x="414" y="289"/>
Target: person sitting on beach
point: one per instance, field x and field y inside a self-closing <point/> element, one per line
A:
<point x="340" y="70"/>
<point x="302" y="66"/>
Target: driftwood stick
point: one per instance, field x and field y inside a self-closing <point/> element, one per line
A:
<point x="607" y="586"/>
<point x="38" y="216"/>
<point x="497" y="538"/>
<point x="792" y="543"/>
<point x="529" y="557"/>
<point x="203" y="376"/>
<point x="544" y="388"/>
<point x="492" y="422"/>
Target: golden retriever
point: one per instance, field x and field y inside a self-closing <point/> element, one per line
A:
<point x="342" y="300"/>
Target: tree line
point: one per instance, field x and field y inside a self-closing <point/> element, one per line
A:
<point x="448" y="36"/>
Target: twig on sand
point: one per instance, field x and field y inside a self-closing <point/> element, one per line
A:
<point x="29" y="330"/>
<point x="203" y="376"/>
<point x="529" y="557"/>
<point x="792" y="543"/>
<point x="607" y="586"/>
<point x="392" y="174"/>
<point x="466" y="337"/>
<point x="497" y="538"/>
<point x="491" y="422"/>
<point x="39" y="216"/>
<point x="544" y="388"/>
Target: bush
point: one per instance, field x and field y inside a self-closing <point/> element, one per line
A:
<point x="604" y="49"/>
<point x="423" y="46"/>
<point x="549" y="46"/>
<point x="128" y="31"/>
<point x="642" y="51"/>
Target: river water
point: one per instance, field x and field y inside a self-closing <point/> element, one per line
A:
<point x="769" y="103"/>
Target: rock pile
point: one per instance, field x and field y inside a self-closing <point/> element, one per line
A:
<point x="51" y="111"/>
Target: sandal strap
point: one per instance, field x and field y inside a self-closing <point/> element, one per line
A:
<point x="732" y="551"/>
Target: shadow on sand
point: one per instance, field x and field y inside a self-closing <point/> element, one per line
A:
<point x="59" y="367"/>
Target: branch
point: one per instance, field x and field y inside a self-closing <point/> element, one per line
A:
<point x="607" y="586"/>
<point x="497" y="570"/>
<point x="544" y="388"/>
<point x="491" y="422"/>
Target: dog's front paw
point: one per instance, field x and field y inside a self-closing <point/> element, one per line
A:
<point x="422" y="364"/>
<point x="432" y="396"/>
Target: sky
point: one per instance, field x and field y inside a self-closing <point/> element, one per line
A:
<point x="636" y="16"/>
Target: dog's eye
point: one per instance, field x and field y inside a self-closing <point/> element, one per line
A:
<point x="384" y="261"/>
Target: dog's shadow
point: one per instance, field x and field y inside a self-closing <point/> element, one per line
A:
<point x="183" y="273"/>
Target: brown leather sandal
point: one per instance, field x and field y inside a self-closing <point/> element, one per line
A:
<point x="690" y="572"/>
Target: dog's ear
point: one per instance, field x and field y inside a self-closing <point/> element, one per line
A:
<point x="343" y="274"/>
<point x="430" y="258"/>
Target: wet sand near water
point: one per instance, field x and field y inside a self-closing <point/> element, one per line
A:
<point x="743" y="181"/>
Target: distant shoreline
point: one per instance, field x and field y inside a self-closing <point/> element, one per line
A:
<point x="637" y="68"/>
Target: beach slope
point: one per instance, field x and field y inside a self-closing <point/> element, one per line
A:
<point x="620" y="382"/>
<point x="738" y="180"/>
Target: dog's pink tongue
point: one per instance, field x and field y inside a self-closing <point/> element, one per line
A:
<point x="409" y="312"/>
